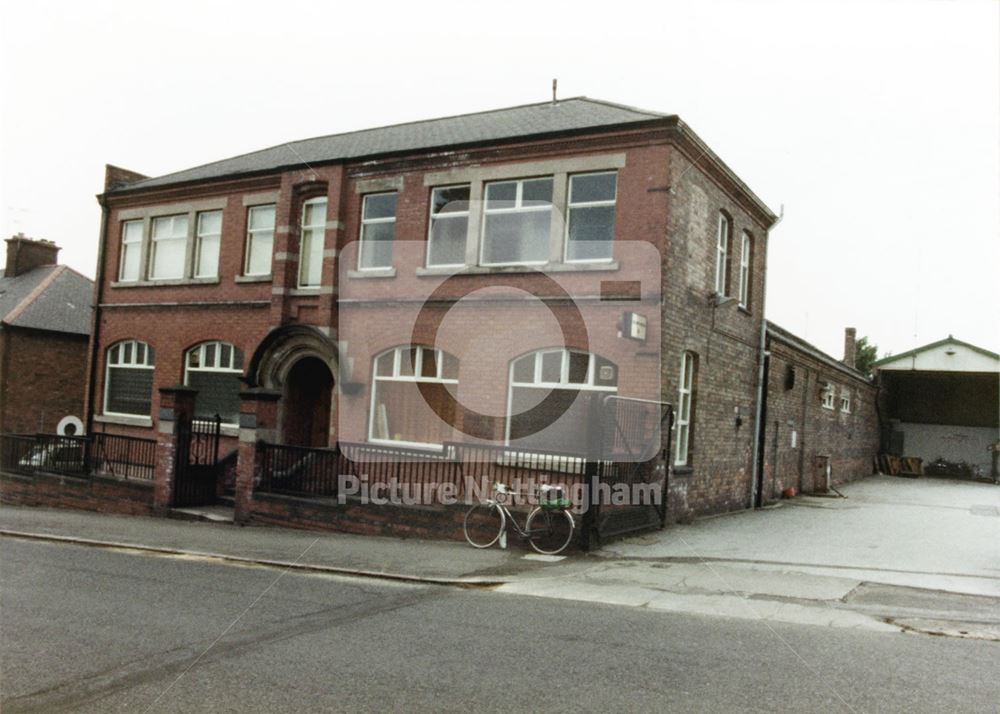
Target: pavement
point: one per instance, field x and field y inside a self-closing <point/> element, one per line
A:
<point x="894" y="555"/>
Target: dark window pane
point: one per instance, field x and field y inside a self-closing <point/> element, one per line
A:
<point x="217" y="394"/>
<point x="376" y="245"/>
<point x="537" y="190"/>
<point x="560" y="426"/>
<point x="130" y="391"/>
<point x="448" y="241"/>
<point x="600" y="187"/>
<point x="591" y="231"/>
<point x="382" y="205"/>
<point x="578" y="363"/>
<point x="524" y="369"/>
<point x="552" y="366"/>
<point x="450" y="200"/>
<point x="517" y="237"/>
<point x="501" y="195"/>
<point x="428" y="364"/>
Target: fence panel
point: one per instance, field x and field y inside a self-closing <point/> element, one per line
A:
<point x="126" y="457"/>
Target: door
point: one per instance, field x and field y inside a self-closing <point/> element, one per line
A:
<point x="308" y="393"/>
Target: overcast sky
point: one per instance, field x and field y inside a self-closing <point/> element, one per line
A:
<point x="875" y="124"/>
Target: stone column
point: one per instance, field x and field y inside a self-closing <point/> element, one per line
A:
<point x="176" y="405"/>
<point x="258" y="422"/>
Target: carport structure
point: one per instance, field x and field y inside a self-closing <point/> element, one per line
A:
<point x="941" y="403"/>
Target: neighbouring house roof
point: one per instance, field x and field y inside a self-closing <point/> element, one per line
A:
<point x="796" y="342"/>
<point x="52" y="297"/>
<point x="566" y="115"/>
<point x="947" y="355"/>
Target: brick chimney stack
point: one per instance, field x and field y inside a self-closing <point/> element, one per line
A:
<point x="850" y="346"/>
<point x="24" y="254"/>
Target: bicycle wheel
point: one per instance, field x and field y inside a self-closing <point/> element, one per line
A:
<point x="550" y="530"/>
<point x="483" y="524"/>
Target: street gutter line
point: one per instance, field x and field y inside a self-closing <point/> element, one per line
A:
<point x="468" y="583"/>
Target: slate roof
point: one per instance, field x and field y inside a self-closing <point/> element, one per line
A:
<point x="52" y="297"/>
<point x="530" y="120"/>
<point x="780" y="333"/>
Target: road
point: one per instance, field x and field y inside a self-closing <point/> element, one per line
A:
<point x="94" y="630"/>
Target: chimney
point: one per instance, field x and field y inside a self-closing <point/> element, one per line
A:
<point x="116" y="177"/>
<point x="850" y="346"/>
<point x="24" y="254"/>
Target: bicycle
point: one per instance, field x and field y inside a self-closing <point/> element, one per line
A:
<point x="549" y="526"/>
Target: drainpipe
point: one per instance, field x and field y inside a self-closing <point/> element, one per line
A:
<point x="758" y="430"/>
<point x="95" y="328"/>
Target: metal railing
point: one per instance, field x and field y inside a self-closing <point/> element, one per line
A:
<point x="125" y="457"/>
<point x="296" y="470"/>
<point x="128" y="457"/>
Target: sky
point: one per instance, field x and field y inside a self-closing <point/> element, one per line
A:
<point x="874" y="126"/>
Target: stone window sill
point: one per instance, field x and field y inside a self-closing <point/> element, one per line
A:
<point x="124" y="420"/>
<point x="165" y="283"/>
<point x="607" y="267"/>
<point x="379" y="273"/>
<point x="253" y="278"/>
<point x="682" y="470"/>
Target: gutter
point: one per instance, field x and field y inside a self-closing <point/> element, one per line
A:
<point x="756" y="481"/>
<point x="95" y="325"/>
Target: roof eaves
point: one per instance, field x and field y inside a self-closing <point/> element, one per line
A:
<point x="793" y="340"/>
<point x="949" y="340"/>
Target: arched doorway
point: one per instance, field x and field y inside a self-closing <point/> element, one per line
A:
<point x="308" y="389"/>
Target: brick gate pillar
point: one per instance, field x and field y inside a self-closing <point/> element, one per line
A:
<point x="176" y="405"/>
<point x="258" y="422"/>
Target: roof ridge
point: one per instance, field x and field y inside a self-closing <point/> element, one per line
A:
<point x="42" y="286"/>
<point x="294" y="142"/>
<point x="950" y="339"/>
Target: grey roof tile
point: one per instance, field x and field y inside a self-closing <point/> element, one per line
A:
<point x="578" y="113"/>
<point x="64" y="305"/>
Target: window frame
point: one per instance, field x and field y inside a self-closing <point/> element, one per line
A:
<point x="149" y="363"/>
<point x="845" y="401"/>
<point x="746" y="261"/>
<point x="185" y="271"/>
<point x="201" y="349"/>
<point x="685" y="409"/>
<point x="827" y="395"/>
<point x="588" y="385"/>
<point x="371" y="221"/>
<point x="467" y="213"/>
<point x="517" y="209"/>
<point x="136" y="244"/>
<point x="588" y="204"/>
<point x="311" y="230"/>
<point x="417" y="377"/>
<point x="199" y="237"/>
<point x="251" y="236"/>
<point x="722" y="245"/>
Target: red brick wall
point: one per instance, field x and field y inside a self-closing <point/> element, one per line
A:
<point x="849" y="441"/>
<point x="725" y="339"/>
<point x="107" y="495"/>
<point x="43" y="379"/>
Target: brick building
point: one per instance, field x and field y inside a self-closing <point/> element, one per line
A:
<point x="821" y="422"/>
<point x="621" y="256"/>
<point x="45" y="316"/>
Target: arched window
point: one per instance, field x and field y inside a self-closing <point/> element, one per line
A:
<point x="409" y="384"/>
<point x="214" y="369"/>
<point x="570" y="374"/>
<point x="128" y="381"/>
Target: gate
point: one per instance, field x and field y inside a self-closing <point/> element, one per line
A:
<point x="196" y="466"/>
<point x="627" y="466"/>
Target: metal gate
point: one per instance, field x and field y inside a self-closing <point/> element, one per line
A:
<point x="627" y="466"/>
<point x="197" y="466"/>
